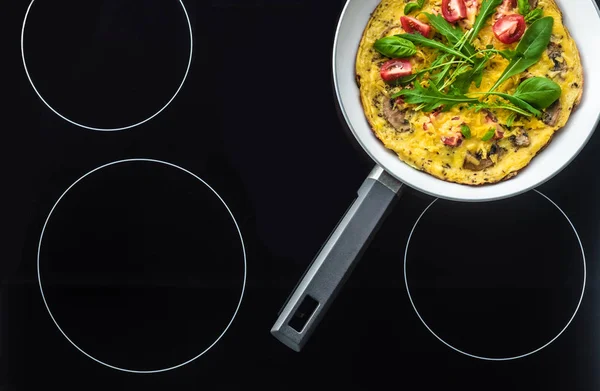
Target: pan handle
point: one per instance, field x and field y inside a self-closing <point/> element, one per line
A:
<point x="332" y="266"/>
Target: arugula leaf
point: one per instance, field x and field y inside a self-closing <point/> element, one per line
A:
<point x="481" y="105"/>
<point x="463" y="82"/>
<point x="404" y="80"/>
<point x="465" y="130"/>
<point x="452" y="33"/>
<point x="418" y="38"/>
<point x="523" y="7"/>
<point x="395" y="47"/>
<point x="436" y="64"/>
<point x="530" y="49"/>
<point x="508" y="53"/>
<point x="489" y="134"/>
<point x="440" y="59"/>
<point x="511" y="119"/>
<point x="458" y="72"/>
<point x="518" y="102"/>
<point x="455" y="37"/>
<point x="410" y="7"/>
<point x="534" y="15"/>
<point x="439" y="77"/>
<point x="488" y="7"/>
<point x="540" y="92"/>
<point x="477" y="73"/>
<point x="421" y="3"/>
<point x="430" y="98"/>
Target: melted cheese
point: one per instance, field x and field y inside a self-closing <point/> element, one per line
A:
<point x="422" y="147"/>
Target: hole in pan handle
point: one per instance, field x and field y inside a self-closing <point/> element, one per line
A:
<point x="332" y="266"/>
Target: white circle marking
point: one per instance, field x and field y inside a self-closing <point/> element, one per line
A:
<point x="107" y="129"/>
<point x="504" y="358"/>
<point x="42" y="289"/>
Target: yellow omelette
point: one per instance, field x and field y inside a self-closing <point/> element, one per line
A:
<point x="467" y="142"/>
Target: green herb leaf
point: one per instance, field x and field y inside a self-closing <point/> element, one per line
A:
<point x="465" y="130"/>
<point x="437" y="65"/>
<point x="461" y="70"/>
<point x="530" y="49"/>
<point x="430" y="98"/>
<point x="395" y="47"/>
<point x="410" y="7"/>
<point x="440" y="60"/>
<point x="404" y="80"/>
<point x="489" y="134"/>
<point x="464" y="81"/>
<point x="534" y="15"/>
<point x="509" y="54"/>
<point x="419" y="39"/>
<point x="523" y="7"/>
<point x="477" y="73"/>
<point x="439" y="77"/>
<point x="481" y="105"/>
<point x="488" y="7"/>
<point x="452" y="33"/>
<point x="519" y="103"/>
<point x="540" y="92"/>
<point x="511" y="119"/>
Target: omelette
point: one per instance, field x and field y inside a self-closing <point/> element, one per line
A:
<point x="469" y="91"/>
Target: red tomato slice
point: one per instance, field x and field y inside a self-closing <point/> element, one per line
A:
<point x="395" y="69"/>
<point x="454" y="10"/>
<point x="410" y="25"/>
<point x="453" y="141"/>
<point x="509" y="28"/>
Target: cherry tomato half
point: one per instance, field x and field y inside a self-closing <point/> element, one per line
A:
<point x="454" y="10"/>
<point x="411" y="25"/>
<point x="395" y="69"/>
<point x="509" y="28"/>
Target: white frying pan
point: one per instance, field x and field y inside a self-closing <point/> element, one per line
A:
<point x="334" y="263"/>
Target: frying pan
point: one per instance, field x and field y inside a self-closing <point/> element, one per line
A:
<point x="324" y="278"/>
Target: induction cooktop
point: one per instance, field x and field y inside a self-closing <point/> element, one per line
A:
<point x="172" y="167"/>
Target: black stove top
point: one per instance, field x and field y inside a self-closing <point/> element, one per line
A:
<point x="157" y="212"/>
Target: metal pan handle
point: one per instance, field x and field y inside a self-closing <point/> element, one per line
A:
<point x="332" y="266"/>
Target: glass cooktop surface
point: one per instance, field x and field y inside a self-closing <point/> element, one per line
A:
<point x="170" y="170"/>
